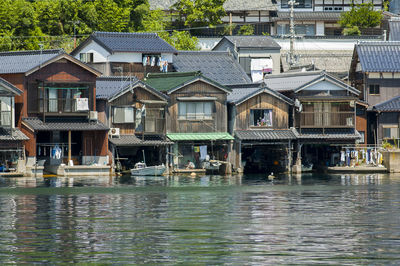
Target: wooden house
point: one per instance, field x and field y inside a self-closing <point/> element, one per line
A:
<point x="125" y="53"/>
<point x="259" y="119"/>
<point x="196" y="117"/>
<point x="324" y="116"/>
<point x="388" y="121"/>
<point x="375" y="73"/>
<point x="56" y="108"/>
<point x="135" y="114"/>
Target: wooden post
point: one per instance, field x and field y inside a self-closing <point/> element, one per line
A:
<point x="69" y="146"/>
<point x="230" y="23"/>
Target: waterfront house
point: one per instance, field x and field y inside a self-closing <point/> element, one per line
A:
<point x="324" y="117"/>
<point x="259" y="119"/>
<point x="258" y="55"/>
<point x="125" y="53"/>
<point x="56" y="110"/>
<point x="196" y="118"/>
<point x="135" y="114"/>
<point x="219" y="66"/>
<point x="387" y="121"/>
<point x="11" y="138"/>
<point x="375" y="73"/>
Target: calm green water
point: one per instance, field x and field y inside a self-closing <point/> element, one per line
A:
<point x="342" y="220"/>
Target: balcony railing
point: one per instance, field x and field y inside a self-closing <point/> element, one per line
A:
<point x="327" y="119"/>
<point x="154" y="125"/>
<point x="63" y="105"/>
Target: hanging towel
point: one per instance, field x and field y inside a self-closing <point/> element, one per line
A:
<point x="196" y="149"/>
<point x="203" y="152"/>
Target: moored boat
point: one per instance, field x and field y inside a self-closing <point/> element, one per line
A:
<point x="141" y="169"/>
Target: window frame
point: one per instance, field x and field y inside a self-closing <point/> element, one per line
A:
<point x="253" y="119"/>
<point x="373" y="89"/>
<point x="125" y="116"/>
<point x="86" y="57"/>
<point x="188" y="105"/>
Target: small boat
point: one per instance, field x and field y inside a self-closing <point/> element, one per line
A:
<point x="307" y="167"/>
<point x="142" y="169"/>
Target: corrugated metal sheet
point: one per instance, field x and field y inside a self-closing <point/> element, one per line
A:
<point x="273" y="134"/>
<point x="240" y="93"/>
<point x="218" y="66"/>
<point x="394" y="30"/>
<point x="64" y="124"/>
<point x="23" y="61"/>
<point x="199" y="136"/>
<point x="379" y="56"/>
<point x="262" y="42"/>
<point x="290" y="81"/>
<point x="133" y="140"/>
<point x="392" y="105"/>
<point x="109" y="86"/>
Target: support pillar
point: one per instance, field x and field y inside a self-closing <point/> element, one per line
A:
<point x="69" y="146"/>
<point x="297" y="167"/>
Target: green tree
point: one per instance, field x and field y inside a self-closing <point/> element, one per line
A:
<point x="199" y="12"/>
<point x="246" y="30"/>
<point x="362" y="15"/>
<point x="110" y="17"/>
<point x="181" y="40"/>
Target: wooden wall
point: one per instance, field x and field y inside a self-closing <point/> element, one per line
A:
<point x="280" y="111"/>
<point x="30" y="145"/>
<point x="18" y="80"/>
<point x="361" y="123"/>
<point x="198" y="89"/>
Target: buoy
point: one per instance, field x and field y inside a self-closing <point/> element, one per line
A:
<point x="193" y="174"/>
<point x="271" y="176"/>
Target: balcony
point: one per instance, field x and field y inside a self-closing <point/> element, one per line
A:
<point x="327" y="120"/>
<point x="64" y="105"/>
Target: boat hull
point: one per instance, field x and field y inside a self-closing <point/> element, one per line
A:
<point x="149" y="171"/>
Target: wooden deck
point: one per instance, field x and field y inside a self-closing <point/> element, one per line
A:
<point x="357" y="169"/>
<point x="11" y="174"/>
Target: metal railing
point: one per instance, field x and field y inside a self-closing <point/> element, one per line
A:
<point x="327" y="119"/>
<point x="62" y="105"/>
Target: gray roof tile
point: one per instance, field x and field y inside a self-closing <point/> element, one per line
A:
<point x="217" y="66"/>
<point x="242" y="92"/>
<point x="379" y="56"/>
<point x="326" y="16"/>
<point x="133" y="140"/>
<point x="8" y="134"/>
<point x="273" y="134"/>
<point x="109" y="86"/>
<point x="262" y="42"/>
<point x="392" y="105"/>
<point x="142" y="42"/>
<point x="63" y="124"/>
<point x="328" y="134"/>
<point x="290" y="81"/>
<point x="23" y="61"/>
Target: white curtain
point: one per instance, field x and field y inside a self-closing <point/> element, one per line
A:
<point x="53" y="104"/>
<point x="5" y="109"/>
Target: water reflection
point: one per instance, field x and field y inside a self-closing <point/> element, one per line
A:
<point x="335" y="219"/>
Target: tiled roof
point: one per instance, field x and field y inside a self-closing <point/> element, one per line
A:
<point x="328" y="134"/>
<point x="9" y="86"/>
<point x="23" y="61"/>
<point x="394" y="30"/>
<point x="332" y="61"/>
<point x="63" y="124"/>
<point x="200" y="136"/>
<point x="273" y="134"/>
<point x="213" y="65"/>
<point x="108" y="86"/>
<point x="326" y="16"/>
<point x="132" y="42"/>
<point x="8" y="134"/>
<point x="168" y="82"/>
<point x="243" y="92"/>
<point x="379" y="56"/>
<point x="229" y="5"/>
<point x="133" y="140"/>
<point x="392" y="105"/>
<point x="290" y="81"/>
<point x="262" y="42"/>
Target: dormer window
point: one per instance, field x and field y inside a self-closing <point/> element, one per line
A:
<point x="86" y="57"/>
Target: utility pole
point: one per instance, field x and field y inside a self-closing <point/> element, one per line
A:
<point x="292" y="3"/>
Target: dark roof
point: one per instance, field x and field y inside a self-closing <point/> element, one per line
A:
<point x="133" y="140"/>
<point x="169" y="82"/>
<point x="261" y="42"/>
<point x="23" y="61"/>
<point x="243" y="92"/>
<point x="8" y="134"/>
<point x="272" y="134"/>
<point x="108" y="86"/>
<point x="379" y="56"/>
<point x="229" y="5"/>
<point x="394" y="30"/>
<point x="213" y="65"/>
<point x="328" y="134"/>
<point x="10" y="87"/>
<point x="392" y="105"/>
<point x="326" y="16"/>
<point x="63" y="124"/>
<point x="141" y="42"/>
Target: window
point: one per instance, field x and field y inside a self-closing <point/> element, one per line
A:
<point x="300" y="4"/>
<point x="374" y="89"/>
<point x="362" y="140"/>
<point x="332" y="8"/>
<point x="391" y="132"/>
<point x="5" y="111"/>
<point x="300" y="29"/>
<point x="123" y="115"/>
<point x="86" y="57"/>
<point x="195" y="110"/>
<point x="261" y="117"/>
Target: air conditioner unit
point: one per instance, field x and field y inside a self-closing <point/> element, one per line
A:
<point x="93" y="115"/>
<point x="114" y="132"/>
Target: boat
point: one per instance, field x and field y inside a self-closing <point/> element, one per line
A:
<point x="141" y="169"/>
<point x="307" y="167"/>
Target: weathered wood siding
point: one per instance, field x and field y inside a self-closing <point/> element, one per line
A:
<point x="280" y="111"/>
<point x="198" y="89"/>
<point x="388" y="89"/>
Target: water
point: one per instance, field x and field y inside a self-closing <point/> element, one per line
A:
<point x="211" y="220"/>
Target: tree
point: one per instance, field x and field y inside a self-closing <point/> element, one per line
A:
<point x="181" y="40"/>
<point x="362" y="15"/>
<point x="200" y="12"/>
<point x="246" y="30"/>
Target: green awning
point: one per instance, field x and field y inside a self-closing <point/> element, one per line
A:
<point x="200" y="136"/>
